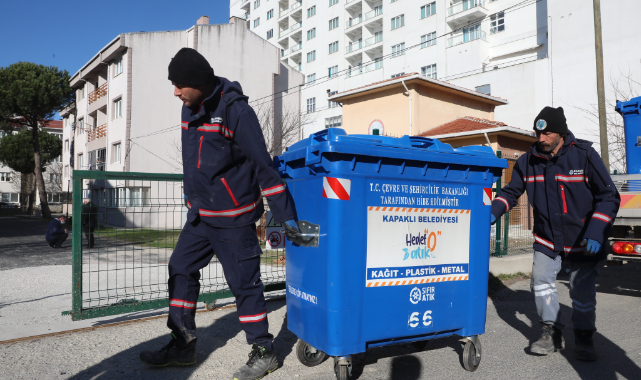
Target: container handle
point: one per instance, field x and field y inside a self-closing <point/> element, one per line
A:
<point x="312" y="156"/>
<point x="427" y="143"/>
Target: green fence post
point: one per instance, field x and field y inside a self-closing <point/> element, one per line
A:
<point x="76" y="235"/>
<point x="497" y="235"/>
<point x="506" y="233"/>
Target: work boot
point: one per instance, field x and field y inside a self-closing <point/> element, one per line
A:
<point x="584" y="349"/>
<point x="171" y="354"/>
<point x="261" y="362"/>
<point x="551" y="340"/>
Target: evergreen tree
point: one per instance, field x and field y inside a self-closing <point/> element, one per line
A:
<point x="30" y="94"/>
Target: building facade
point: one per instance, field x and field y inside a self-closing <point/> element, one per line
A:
<point x="534" y="53"/>
<point x="126" y="117"/>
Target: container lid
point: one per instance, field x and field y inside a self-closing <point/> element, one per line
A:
<point x="336" y="140"/>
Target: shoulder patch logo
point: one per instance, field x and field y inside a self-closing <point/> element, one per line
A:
<point x="541" y="124"/>
<point x="216" y="120"/>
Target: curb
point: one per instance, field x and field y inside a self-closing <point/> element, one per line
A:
<point x="511" y="264"/>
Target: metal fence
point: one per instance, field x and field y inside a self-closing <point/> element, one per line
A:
<point x="138" y="218"/>
<point x="512" y="233"/>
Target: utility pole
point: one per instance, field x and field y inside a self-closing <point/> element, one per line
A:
<point x="598" y="47"/>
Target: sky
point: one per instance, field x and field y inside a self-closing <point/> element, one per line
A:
<point x="67" y="34"/>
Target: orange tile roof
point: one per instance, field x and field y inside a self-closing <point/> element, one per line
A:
<point x="375" y="83"/>
<point x="464" y="124"/>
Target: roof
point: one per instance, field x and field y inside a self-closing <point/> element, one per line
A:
<point x="415" y="77"/>
<point x="53" y="124"/>
<point x="468" y="125"/>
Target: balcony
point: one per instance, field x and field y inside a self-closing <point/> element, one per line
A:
<point x="466" y="37"/>
<point x="283" y="12"/>
<point x="296" y="48"/>
<point x="296" y="6"/>
<point x="354" y="47"/>
<point x="94" y="134"/>
<point x="378" y="64"/>
<point x="246" y="5"/>
<point x="373" y="42"/>
<point x="98" y="93"/>
<point x="353" y="22"/>
<point x="349" y="4"/>
<point x="296" y="26"/>
<point x="465" y="12"/>
<point x="354" y="71"/>
<point x="371" y="15"/>
<point x="283" y="33"/>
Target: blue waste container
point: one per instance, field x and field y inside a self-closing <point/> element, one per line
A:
<point x="402" y="251"/>
<point x="631" y="113"/>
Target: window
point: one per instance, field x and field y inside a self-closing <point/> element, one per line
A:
<point x="333" y="47"/>
<point x="81" y="126"/>
<point x="256" y="4"/>
<point x="311" y="11"/>
<point x="311" y="78"/>
<point x="428" y="10"/>
<point x="66" y="145"/>
<point x="398" y="50"/>
<point x="429" y="71"/>
<point x="333" y="23"/>
<point x="428" y="40"/>
<point x="311" y="105"/>
<point x="333" y="71"/>
<point x="311" y="56"/>
<point x="311" y="33"/>
<point x="57" y="159"/>
<point x="5" y="177"/>
<point x="332" y="2"/>
<point x="331" y="104"/>
<point x="118" y="67"/>
<point x="398" y="22"/>
<point x="484" y="89"/>
<point x="66" y="171"/>
<point x="81" y="162"/>
<point x="270" y="14"/>
<point x="116" y="152"/>
<point x="82" y="92"/>
<point x="256" y="22"/>
<point x="54" y="177"/>
<point x="118" y="108"/>
<point x="128" y="197"/>
<point x="334" y="122"/>
<point x="270" y="33"/>
<point x="497" y="22"/>
<point x="53" y="198"/>
<point x="398" y="75"/>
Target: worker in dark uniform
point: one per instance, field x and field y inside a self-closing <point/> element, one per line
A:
<point x="56" y="233"/>
<point x="227" y="171"/>
<point x="89" y="220"/>
<point x="575" y="203"/>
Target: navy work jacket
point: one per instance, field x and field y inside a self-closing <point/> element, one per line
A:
<point x="572" y="195"/>
<point x="54" y="229"/>
<point x="226" y="163"/>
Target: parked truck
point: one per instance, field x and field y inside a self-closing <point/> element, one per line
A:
<point x="625" y="240"/>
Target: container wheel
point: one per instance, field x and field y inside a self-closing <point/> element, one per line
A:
<point x="341" y="372"/>
<point x="308" y="355"/>
<point x="211" y="306"/>
<point x="420" y="345"/>
<point x="470" y="359"/>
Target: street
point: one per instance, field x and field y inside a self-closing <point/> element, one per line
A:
<point x="111" y="351"/>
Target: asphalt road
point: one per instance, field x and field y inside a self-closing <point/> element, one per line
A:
<point x="23" y="245"/>
<point x="111" y="352"/>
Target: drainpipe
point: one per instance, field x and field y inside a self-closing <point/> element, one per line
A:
<point x="410" y="95"/>
<point x="488" y="142"/>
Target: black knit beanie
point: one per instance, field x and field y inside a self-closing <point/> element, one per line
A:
<point x="551" y="120"/>
<point x="190" y="68"/>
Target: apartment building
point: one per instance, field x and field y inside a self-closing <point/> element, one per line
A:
<point x="126" y="117"/>
<point x="533" y="53"/>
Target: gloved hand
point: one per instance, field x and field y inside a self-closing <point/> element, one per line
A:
<point x="292" y="232"/>
<point x="492" y="219"/>
<point x="593" y="247"/>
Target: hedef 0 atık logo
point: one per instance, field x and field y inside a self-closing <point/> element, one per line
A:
<point x="415" y="295"/>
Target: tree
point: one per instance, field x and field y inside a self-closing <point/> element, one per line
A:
<point x="281" y="128"/>
<point x="30" y="94"/>
<point x="623" y="87"/>
<point x="17" y="152"/>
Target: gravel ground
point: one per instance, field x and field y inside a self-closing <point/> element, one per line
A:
<point x="112" y="352"/>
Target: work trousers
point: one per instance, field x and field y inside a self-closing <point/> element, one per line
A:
<point x="582" y="291"/>
<point x="58" y="240"/>
<point x="238" y="253"/>
<point x="89" y="236"/>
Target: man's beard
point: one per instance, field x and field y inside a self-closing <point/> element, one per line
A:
<point x="549" y="148"/>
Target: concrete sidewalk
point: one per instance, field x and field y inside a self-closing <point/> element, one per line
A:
<point x="112" y="352"/>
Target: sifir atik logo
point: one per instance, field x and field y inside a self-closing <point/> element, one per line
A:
<point x="425" y="242"/>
